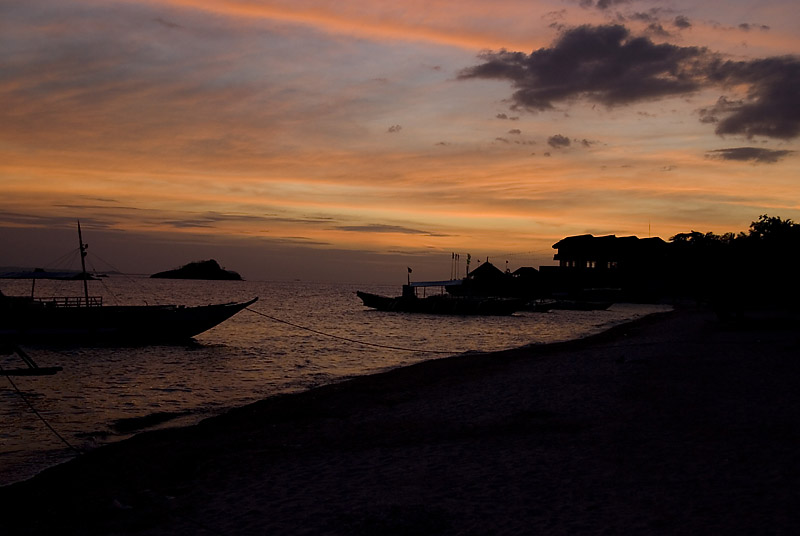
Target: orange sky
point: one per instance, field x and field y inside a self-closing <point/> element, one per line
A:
<point x="382" y="134"/>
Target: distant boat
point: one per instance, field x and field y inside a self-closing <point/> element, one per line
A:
<point x="85" y="320"/>
<point x="440" y="304"/>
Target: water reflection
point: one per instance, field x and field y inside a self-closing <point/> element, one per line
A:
<point x="247" y="358"/>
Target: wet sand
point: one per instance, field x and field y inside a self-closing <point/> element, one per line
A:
<point x="674" y="424"/>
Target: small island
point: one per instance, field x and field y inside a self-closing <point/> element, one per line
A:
<point x="209" y="269"/>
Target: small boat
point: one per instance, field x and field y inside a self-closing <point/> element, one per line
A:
<point x="85" y="320"/>
<point x="441" y="304"/>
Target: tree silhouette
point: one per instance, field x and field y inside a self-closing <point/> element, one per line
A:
<point x="740" y="270"/>
<point x="775" y="230"/>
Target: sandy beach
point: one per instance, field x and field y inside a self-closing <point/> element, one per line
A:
<point x="674" y="424"/>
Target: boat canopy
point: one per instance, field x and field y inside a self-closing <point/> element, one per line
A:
<point x="448" y="283"/>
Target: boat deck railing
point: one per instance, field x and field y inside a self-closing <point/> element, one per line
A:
<point x="71" y="301"/>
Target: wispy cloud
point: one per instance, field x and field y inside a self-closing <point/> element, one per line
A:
<point x="750" y="154"/>
<point x="383" y="228"/>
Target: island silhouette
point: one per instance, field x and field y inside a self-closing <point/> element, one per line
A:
<point x="208" y="269"/>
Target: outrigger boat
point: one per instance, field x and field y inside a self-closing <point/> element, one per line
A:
<point x="86" y="320"/>
<point x="440" y="304"/>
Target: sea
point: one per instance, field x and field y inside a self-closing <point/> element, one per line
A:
<point x="297" y="336"/>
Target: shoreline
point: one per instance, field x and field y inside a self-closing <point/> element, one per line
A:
<point x="670" y="423"/>
<point x="90" y="437"/>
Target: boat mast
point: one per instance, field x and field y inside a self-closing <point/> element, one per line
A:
<point x="83" y="264"/>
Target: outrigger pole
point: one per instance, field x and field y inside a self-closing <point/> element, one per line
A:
<point x="83" y="264"/>
<point x="32" y="370"/>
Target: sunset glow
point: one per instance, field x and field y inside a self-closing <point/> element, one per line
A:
<point x="401" y="131"/>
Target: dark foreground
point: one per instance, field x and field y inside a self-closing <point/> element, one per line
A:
<point x="677" y="424"/>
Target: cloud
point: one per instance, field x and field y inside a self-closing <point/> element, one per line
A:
<point x="722" y="106"/>
<point x="211" y="219"/>
<point x="602" y="4"/>
<point x="87" y="208"/>
<point x="381" y="228"/>
<point x="750" y="154"/>
<point x="658" y="30"/>
<point x="167" y="23"/>
<point x="558" y="141"/>
<point x="395" y="128"/>
<point x="606" y="64"/>
<point x="746" y="26"/>
<point x="682" y="22"/>
<point x="771" y="107"/>
<point x="601" y="63"/>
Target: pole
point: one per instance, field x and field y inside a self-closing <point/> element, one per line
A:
<point x="83" y="264"/>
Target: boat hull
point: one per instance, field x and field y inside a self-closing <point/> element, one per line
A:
<point x="443" y="305"/>
<point x="37" y="323"/>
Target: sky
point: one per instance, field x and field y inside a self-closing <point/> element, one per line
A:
<point x="349" y="140"/>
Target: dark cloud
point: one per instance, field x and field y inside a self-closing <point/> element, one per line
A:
<point x="381" y="228"/>
<point x="308" y="220"/>
<point x="558" y="141"/>
<point x="602" y="4"/>
<point x="657" y="19"/>
<point x="211" y="219"/>
<point x="682" y="22"/>
<point x="655" y="28"/>
<point x="602" y="63"/>
<point x="771" y="108"/>
<point x="87" y="207"/>
<point x="167" y="23"/>
<point x="746" y="26"/>
<point x="515" y="131"/>
<point x="647" y="17"/>
<point x="721" y="107"/>
<point x="21" y="219"/>
<point x="750" y="154"/>
<point x="190" y="224"/>
<point x="608" y="65"/>
<point x="395" y="128"/>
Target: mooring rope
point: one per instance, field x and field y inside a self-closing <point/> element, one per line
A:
<point x="36" y="412"/>
<point x="273" y="318"/>
<point x="348" y="339"/>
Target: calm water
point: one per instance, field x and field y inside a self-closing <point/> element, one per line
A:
<point x="105" y="394"/>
